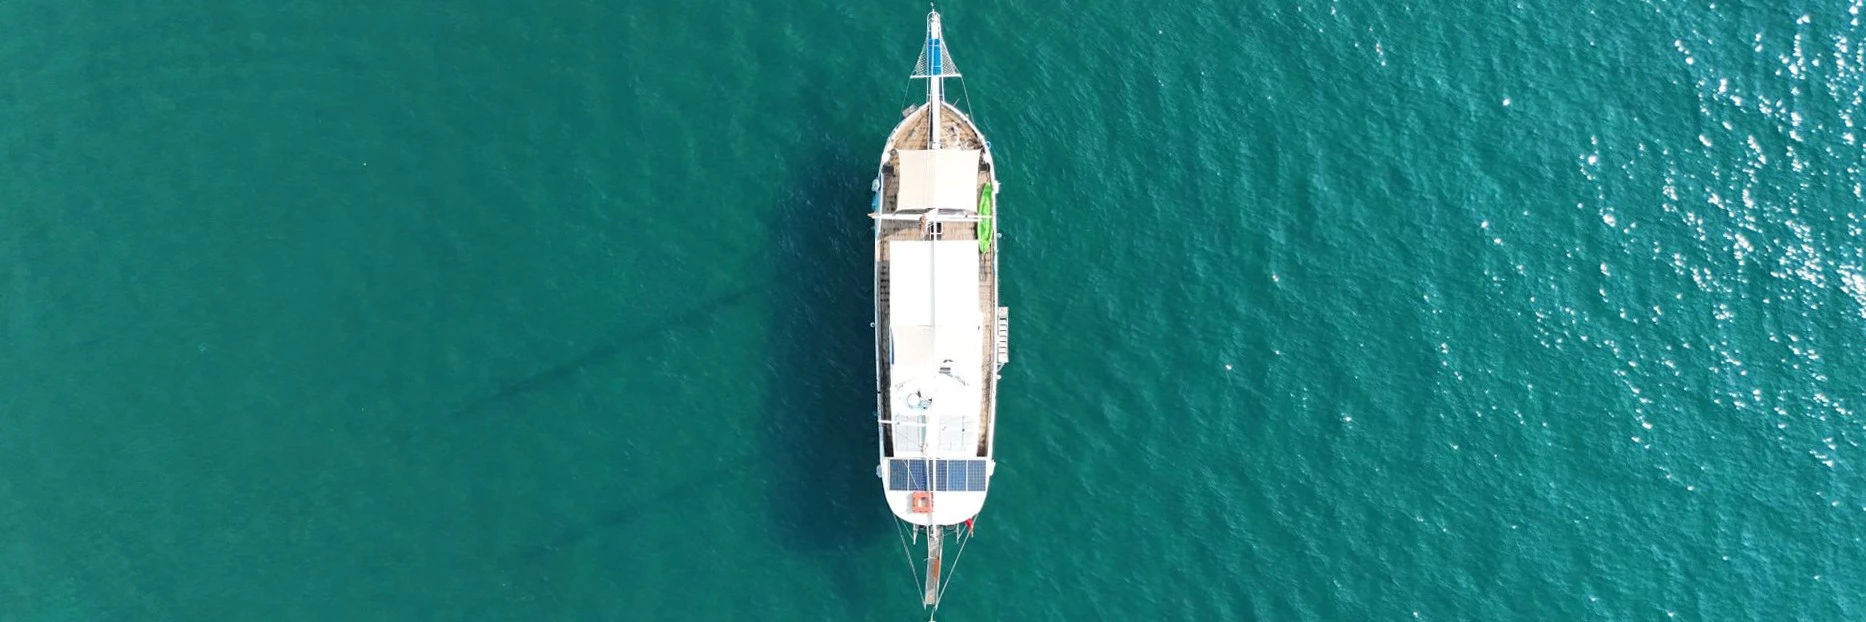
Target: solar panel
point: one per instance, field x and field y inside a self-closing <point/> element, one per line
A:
<point x="964" y="475"/>
<point x="951" y="476"/>
<point x="907" y="475"/>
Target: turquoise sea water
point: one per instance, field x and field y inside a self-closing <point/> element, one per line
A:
<point x="559" y="311"/>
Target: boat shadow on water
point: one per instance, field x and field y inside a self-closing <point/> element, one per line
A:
<point x="693" y="318"/>
<point x="817" y="451"/>
<point x="820" y="428"/>
<point x="663" y="499"/>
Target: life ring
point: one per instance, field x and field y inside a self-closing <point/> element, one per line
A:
<point x="923" y="503"/>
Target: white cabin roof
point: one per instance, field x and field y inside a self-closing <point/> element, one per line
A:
<point x="938" y="179"/>
<point x="933" y="283"/>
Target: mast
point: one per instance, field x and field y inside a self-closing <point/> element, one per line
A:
<point x="934" y="82"/>
<point x="935" y="65"/>
<point x="933" y="555"/>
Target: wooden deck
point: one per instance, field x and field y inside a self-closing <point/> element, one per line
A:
<point x="957" y="133"/>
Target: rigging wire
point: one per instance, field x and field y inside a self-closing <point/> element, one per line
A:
<point x="977" y="120"/>
<point x="904" y="90"/>
<point x="907" y="554"/>
<point x="955" y="563"/>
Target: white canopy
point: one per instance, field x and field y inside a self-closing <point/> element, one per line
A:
<point x="939" y="179"/>
<point x="933" y="283"/>
<point x="938" y="343"/>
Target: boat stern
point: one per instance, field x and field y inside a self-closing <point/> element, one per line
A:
<point x="935" y="508"/>
<point x="935" y="491"/>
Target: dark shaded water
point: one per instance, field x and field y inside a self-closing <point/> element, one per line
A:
<point x="1324" y="312"/>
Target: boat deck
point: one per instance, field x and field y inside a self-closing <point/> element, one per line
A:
<point x="957" y="133"/>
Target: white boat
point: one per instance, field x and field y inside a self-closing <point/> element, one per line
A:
<point x="940" y="336"/>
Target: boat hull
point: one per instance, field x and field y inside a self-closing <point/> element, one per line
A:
<point x="929" y="204"/>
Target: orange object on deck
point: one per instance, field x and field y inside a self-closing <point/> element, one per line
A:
<point x="923" y="503"/>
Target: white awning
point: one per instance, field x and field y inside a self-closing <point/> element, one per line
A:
<point x="939" y="179"/>
<point x="933" y="283"/>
